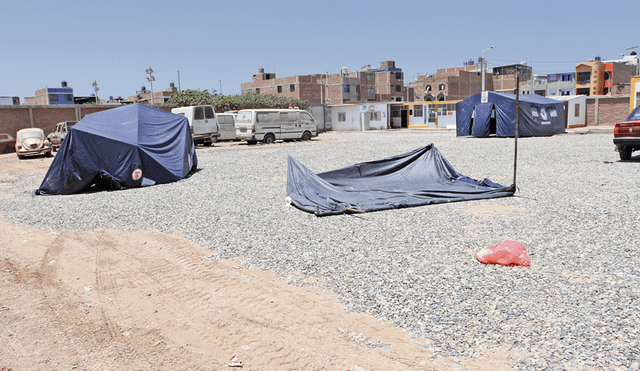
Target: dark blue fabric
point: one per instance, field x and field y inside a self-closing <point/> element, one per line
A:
<point x="505" y="115"/>
<point x="420" y="177"/>
<point x="105" y="148"/>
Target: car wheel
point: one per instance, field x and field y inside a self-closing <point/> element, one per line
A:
<point x="625" y="153"/>
<point x="207" y="144"/>
<point x="268" y="139"/>
<point x="306" y="136"/>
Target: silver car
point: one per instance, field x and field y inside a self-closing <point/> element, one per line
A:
<point x="32" y="142"/>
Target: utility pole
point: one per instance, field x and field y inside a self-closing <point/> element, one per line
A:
<point x="151" y="79"/>
<point x="95" y="89"/>
<point x="483" y="66"/>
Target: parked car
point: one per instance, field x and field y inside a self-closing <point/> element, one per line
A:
<point x="227" y="125"/>
<point x="626" y="135"/>
<point x="269" y="125"/>
<point x="32" y="142"/>
<point x="59" y="133"/>
<point x="202" y="120"/>
<point x="7" y="143"/>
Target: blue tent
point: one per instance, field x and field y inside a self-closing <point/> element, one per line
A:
<point x="420" y="177"/>
<point x="125" y="147"/>
<point x="489" y="113"/>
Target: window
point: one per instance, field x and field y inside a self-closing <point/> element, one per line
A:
<point x="584" y="77"/>
<point x="208" y="113"/>
<point x="342" y="116"/>
<point x="292" y="87"/>
<point x="427" y="89"/>
<point x="279" y="89"/>
<point x="257" y="90"/>
<point x="375" y="116"/>
<point x="553" y="77"/>
<point x="267" y="117"/>
<point x="398" y="75"/>
<point x="552" y="91"/>
<point x="345" y="88"/>
<point x="53" y="97"/>
<point x="305" y="116"/>
<point x="288" y="116"/>
<point x="582" y="91"/>
<point x="398" y="99"/>
<point x="418" y="111"/>
<point x="576" y="112"/>
<point x="198" y="113"/>
<point x="398" y="88"/>
<point x="68" y="97"/>
<point x="357" y="88"/>
<point x="441" y="87"/>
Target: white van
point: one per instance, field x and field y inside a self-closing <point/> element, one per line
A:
<point x="269" y="125"/>
<point x="226" y="125"/>
<point x="202" y="120"/>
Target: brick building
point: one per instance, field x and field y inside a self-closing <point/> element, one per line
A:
<point x="606" y="77"/>
<point x="369" y="84"/>
<point x="457" y="83"/>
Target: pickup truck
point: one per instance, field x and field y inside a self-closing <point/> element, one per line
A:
<point x="626" y="135"/>
<point x="59" y="133"/>
<point x="202" y="120"/>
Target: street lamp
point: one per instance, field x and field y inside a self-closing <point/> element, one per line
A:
<point x="151" y="79"/>
<point x="95" y="89"/>
<point x="484" y="68"/>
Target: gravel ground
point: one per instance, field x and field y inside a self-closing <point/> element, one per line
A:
<point x="576" y="211"/>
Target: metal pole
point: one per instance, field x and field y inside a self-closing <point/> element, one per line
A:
<point x="179" y="89"/>
<point x="515" y="154"/>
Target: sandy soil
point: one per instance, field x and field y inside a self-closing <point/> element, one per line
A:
<point x="110" y="300"/>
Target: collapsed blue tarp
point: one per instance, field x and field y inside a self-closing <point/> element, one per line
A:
<point x="125" y="147"/>
<point x="420" y="177"/>
<point x="489" y="113"/>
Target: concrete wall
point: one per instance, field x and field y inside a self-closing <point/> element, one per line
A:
<point x="14" y="118"/>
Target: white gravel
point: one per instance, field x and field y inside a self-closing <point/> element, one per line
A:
<point x="576" y="211"/>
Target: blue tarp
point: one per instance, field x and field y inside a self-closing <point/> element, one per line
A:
<point x="420" y="177"/>
<point x="495" y="113"/>
<point x="124" y="147"/>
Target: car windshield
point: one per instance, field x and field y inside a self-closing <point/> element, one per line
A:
<point x="30" y="134"/>
<point x="635" y="114"/>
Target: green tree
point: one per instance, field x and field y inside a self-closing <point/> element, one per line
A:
<point x="235" y="102"/>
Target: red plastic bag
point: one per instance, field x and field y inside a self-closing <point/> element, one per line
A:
<point x="506" y="253"/>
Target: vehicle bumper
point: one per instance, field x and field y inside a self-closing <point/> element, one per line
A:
<point x="34" y="152"/>
<point x="627" y="142"/>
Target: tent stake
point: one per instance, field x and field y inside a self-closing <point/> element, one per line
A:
<point x="515" y="154"/>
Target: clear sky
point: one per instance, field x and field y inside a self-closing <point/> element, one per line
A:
<point x="217" y="45"/>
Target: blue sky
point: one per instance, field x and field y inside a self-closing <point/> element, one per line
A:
<point x="218" y="45"/>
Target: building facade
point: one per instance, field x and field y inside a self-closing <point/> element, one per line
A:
<point x="51" y="96"/>
<point x="367" y="85"/>
<point x="612" y="77"/>
<point x="457" y="83"/>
